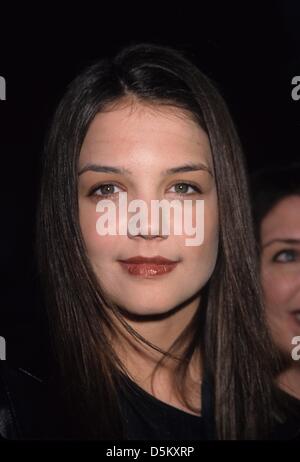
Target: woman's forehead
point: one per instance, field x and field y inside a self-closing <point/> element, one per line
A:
<point x="283" y="220"/>
<point x="145" y="135"/>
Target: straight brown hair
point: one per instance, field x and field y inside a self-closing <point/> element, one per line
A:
<point x="229" y="327"/>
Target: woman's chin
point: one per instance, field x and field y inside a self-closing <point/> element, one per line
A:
<point x="145" y="310"/>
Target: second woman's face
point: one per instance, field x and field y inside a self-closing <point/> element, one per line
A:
<point x="280" y="269"/>
<point x="133" y="152"/>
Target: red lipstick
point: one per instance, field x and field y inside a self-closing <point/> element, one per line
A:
<point x="148" y="266"/>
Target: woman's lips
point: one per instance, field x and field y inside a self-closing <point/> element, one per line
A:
<point x="148" y="270"/>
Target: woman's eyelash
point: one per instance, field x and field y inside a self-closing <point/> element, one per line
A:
<point x="292" y="255"/>
<point x="96" y="188"/>
<point x="196" y="188"/>
<point x="93" y="190"/>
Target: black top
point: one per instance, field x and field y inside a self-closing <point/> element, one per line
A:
<point x="26" y="412"/>
<point x="148" y="418"/>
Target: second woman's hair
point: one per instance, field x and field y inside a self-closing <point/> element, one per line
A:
<point x="269" y="186"/>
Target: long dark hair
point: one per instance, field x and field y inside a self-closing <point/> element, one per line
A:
<point x="238" y="352"/>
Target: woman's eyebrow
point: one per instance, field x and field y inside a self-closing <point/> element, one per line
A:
<point x="190" y="167"/>
<point x="103" y="168"/>
<point x="283" y="241"/>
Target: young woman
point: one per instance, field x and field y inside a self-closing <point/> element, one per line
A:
<point x="276" y="206"/>
<point x="151" y="349"/>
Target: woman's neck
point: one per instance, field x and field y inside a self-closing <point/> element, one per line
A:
<point x="140" y="360"/>
<point x="289" y="380"/>
<point x="161" y="384"/>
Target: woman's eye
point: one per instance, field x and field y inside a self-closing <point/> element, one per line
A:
<point x="107" y="189"/>
<point x="285" y="256"/>
<point x="182" y="188"/>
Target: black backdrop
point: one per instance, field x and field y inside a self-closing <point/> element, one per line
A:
<point x="250" y="49"/>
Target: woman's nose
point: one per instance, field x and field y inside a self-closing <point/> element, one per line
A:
<point x="147" y="231"/>
<point x="149" y="226"/>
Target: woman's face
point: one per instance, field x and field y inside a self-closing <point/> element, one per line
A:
<point x="280" y="269"/>
<point x="143" y="143"/>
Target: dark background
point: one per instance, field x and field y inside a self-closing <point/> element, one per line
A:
<point x="251" y="50"/>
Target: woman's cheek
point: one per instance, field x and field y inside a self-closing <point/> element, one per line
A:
<point x="211" y="232"/>
<point x="95" y="244"/>
<point x="202" y="258"/>
<point x="278" y="290"/>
